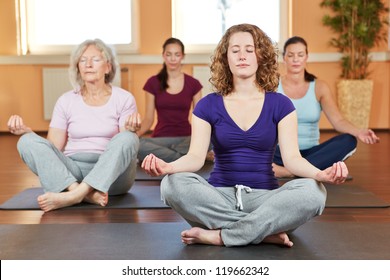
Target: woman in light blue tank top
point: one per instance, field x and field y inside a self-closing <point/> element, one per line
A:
<point x="310" y="96"/>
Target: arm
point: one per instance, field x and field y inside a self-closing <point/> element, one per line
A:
<point x="335" y="117"/>
<point x="295" y="163"/>
<point x="58" y="137"/>
<point x="192" y="161"/>
<point x="149" y="114"/>
<point x="196" y="98"/>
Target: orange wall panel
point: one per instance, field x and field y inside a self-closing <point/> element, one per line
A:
<point x="8" y="34"/>
<point x="155" y="25"/>
<point x="21" y="93"/>
<point x="307" y="22"/>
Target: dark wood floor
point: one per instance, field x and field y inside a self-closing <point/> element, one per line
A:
<point x="369" y="167"/>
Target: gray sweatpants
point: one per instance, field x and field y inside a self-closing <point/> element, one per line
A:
<point x="112" y="172"/>
<point x="263" y="213"/>
<point x="166" y="148"/>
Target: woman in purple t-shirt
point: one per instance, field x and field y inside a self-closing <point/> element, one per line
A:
<point x="241" y="203"/>
<point x="171" y="93"/>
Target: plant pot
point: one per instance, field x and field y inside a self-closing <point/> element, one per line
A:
<point x="354" y="101"/>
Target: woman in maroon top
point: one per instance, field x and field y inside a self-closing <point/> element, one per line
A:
<point x="170" y="93"/>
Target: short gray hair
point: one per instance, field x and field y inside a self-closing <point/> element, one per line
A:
<point x="108" y="53"/>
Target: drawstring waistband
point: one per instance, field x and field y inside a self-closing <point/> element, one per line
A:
<point x="239" y="204"/>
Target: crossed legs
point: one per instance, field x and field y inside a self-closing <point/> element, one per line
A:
<point x="71" y="180"/>
<point x="267" y="215"/>
<point x="337" y="148"/>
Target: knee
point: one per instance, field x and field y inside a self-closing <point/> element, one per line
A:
<point x="350" y="141"/>
<point x="129" y="138"/>
<point x="173" y="185"/>
<point x="128" y="141"/>
<point x="318" y="197"/>
<point x="168" y="184"/>
<point x="315" y="194"/>
<point x="27" y="141"/>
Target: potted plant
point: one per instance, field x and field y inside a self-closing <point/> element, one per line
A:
<point x="359" y="25"/>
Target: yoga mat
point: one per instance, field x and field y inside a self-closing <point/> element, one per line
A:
<point x="161" y="241"/>
<point x="146" y="194"/>
<point x="142" y="176"/>
<point x="349" y="178"/>
<point x="350" y="196"/>
<point x="142" y="195"/>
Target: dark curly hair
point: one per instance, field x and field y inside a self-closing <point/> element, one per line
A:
<point x="267" y="75"/>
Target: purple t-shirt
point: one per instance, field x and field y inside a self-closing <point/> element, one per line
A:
<point x="173" y="109"/>
<point x="244" y="157"/>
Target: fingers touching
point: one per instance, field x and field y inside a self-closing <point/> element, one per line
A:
<point x="133" y="122"/>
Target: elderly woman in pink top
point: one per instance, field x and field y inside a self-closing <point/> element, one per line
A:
<point x="91" y="146"/>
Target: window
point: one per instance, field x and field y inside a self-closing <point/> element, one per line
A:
<point x="200" y="24"/>
<point x="54" y="27"/>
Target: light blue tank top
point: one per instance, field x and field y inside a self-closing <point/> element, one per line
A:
<point x="309" y="113"/>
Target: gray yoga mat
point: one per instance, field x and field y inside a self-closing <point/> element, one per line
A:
<point x="161" y="241"/>
<point x="352" y="196"/>
<point x="146" y="194"/>
<point x="143" y="195"/>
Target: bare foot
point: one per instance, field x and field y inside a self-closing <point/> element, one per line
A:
<point x="96" y="197"/>
<point x="75" y="194"/>
<point x="198" y="235"/>
<point x="279" y="238"/>
<point x="281" y="171"/>
<point x="51" y="201"/>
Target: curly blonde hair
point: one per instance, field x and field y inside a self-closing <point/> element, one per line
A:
<point x="267" y="75"/>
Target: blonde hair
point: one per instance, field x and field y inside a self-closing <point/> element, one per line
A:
<point x="108" y="54"/>
<point x="267" y="74"/>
